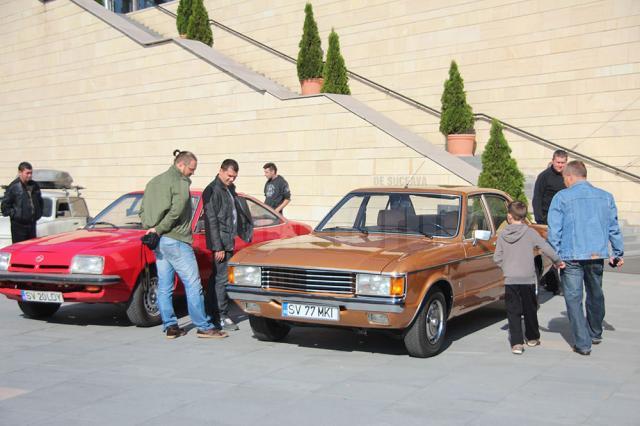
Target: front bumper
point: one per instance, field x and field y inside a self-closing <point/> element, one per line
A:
<point x="26" y="277"/>
<point x="72" y="286"/>
<point x="354" y="311"/>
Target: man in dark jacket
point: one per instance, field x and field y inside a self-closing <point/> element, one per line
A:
<point x="548" y="183"/>
<point x="23" y="204"/>
<point x="225" y="216"/>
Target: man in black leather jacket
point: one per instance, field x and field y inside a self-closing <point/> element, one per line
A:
<point x="23" y="204"/>
<point x="225" y="216"/>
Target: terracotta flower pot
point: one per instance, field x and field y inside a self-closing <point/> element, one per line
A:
<point x="311" y="86"/>
<point x="461" y="145"/>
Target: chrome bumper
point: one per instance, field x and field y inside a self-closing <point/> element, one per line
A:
<point x="360" y="303"/>
<point x="26" y="277"/>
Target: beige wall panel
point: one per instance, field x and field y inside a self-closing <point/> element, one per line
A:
<point x="567" y="71"/>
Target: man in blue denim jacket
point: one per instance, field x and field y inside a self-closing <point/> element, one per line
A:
<point x="582" y="221"/>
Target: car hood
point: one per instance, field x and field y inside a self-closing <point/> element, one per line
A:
<point x="62" y="247"/>
<point x="346" y="251"/>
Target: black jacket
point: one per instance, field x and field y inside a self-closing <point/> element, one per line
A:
<point x="218" y="217"/>
<point x="16" y="203"/>
<point x="548" y="183"/>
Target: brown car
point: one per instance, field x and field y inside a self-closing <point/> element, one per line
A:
<point x="404" y="260"/>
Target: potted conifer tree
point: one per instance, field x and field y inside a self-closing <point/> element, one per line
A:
<point x="499" y="169"/>
<point x="199" y="28"/>
<point x="456" y="119"/>
<point x="184" y="13"/>
<point x="309" y="62"/>
<point x="336" y="79"/>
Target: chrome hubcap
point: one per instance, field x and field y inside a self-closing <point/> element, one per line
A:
<point x="151" y="296"/>
<point x="435" y="321"/>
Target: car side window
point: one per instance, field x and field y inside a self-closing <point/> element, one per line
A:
<point x="497" y="210"/>
<point x="78" y="207"/>
<point x="47" y="207"/>
<point x="476" y="218"/>
<point x="261" y="216"/>
<point x="63" y="209"/>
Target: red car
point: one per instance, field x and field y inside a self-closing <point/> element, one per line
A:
<point x="105" y="262"/>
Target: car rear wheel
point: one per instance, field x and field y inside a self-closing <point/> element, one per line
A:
<point x="426" y="336"/>
<point x="268" y="330"/>
<point x="142" y="309"/>
<point x="38" y="310"/>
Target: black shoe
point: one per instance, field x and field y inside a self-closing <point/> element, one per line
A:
<point x="174" y="331"/>
<point x="227" y="324"/>
<point x="596" y="340"/>
<point x="582" y="352"/>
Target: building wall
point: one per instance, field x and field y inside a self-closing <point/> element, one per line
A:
<point x="77" y="95"/>
<point x="567" y="71"/>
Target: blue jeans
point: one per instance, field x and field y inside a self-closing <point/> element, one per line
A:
<point x="173" y="256"/>
<point x="589" y="272"/>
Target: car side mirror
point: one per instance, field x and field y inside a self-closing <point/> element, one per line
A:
<point x="481" y="235"/>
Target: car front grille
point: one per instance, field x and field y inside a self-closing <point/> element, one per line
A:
<point x="310" y="280"/>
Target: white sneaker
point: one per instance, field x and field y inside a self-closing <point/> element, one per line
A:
<point x="517" y="349"/>
<point x="227" y="323"/>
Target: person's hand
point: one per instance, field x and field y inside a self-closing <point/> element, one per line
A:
<point x="150" y="230"/>
<point x="218" y="256"/>
<point x="620" y="261"/>
<point x="561" y="265"/>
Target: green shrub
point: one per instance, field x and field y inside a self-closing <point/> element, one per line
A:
<point x="499" y="169"/>
<point x="457" y="115"/>
<point x="184" y="13"/>
<point x="309" y="62"/>
<point x="335" y="75"/>
<point x="199" y="28"/>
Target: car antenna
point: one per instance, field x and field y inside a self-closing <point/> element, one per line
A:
<point x="413" y="175"/>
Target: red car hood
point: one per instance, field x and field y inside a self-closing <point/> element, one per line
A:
<point x="348" y="251"/>
<point x="60" y="249"/>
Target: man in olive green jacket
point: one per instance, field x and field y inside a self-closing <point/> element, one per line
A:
<point x="166" y="210"/>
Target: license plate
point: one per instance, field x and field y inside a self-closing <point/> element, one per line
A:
<point x="298" y="310"/>
<point x="42" y="296"/>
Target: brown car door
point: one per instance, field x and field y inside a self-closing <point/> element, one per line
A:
<point x="478" y="274"/>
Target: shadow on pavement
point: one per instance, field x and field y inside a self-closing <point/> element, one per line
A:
<point x="347" y="340"/>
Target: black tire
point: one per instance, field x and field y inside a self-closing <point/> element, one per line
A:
<point x="426" y="335"/>
<point x="38" y="310"/>
<point x="142" y="309"/>
<point x="268" y="330"/>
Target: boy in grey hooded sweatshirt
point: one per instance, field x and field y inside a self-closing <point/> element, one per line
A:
<point x="514" y="254"/>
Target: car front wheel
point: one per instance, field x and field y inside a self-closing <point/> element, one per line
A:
<point x="142" y="309"/>
<point x="268" y="330"/>
<point x="426" y="336"/>
<point x="38" y="310"/>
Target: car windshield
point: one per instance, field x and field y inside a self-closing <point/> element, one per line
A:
<point x="433" y="215"/>
<point x="124" y="213"/>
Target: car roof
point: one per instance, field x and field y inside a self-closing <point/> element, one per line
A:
<point x="443" y="189"/>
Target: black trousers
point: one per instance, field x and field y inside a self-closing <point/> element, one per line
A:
<point x="22" y="232"/>
<point x="216" y="299"/>
<point x="521" y="301"/>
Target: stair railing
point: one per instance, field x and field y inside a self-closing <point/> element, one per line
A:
<point x="419" y="105"/>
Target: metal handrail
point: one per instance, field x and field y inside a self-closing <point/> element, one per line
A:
<point x="426" y="108"/>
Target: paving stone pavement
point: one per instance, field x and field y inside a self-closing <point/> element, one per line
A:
<point x="88" y="365"/>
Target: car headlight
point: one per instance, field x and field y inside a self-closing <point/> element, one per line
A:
<point x="87" y="265"/>
<point x="5" y="258"/>
<point x="245" y="275"/>
<point x="379" y="285"/>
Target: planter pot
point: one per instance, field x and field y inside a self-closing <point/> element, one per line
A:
<point x="183" y="36"/>
<point x="461" y="145"/>
<point x="311" y="86"/>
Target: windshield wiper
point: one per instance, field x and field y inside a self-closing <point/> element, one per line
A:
<point x="93" y="225"/>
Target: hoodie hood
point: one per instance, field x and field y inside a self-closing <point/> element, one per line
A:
<point x="513" y="232"/>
